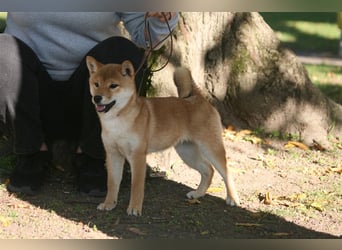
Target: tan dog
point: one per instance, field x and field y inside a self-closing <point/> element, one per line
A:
<point x="133" y="126"/>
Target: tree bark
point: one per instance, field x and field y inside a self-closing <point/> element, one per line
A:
<point x="254" y="82"/>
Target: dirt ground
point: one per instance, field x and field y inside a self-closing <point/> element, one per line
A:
<point x="286" y="191"/>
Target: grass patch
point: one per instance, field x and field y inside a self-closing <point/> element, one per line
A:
<point x="306" y="31"/>
<point x="328" y="79"/>
<point x="3" y="16"/>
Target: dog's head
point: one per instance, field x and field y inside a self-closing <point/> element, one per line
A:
<point x="110" y="84"/>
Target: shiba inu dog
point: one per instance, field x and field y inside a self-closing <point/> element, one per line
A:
<point x="133" y="126"/>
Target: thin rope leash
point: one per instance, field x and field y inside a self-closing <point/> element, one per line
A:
<point x="150" y="47"/>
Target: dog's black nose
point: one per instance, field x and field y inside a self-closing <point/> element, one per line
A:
<point x="97" y="99"/>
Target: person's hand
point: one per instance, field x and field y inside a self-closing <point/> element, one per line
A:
<point x="161" y="15"/>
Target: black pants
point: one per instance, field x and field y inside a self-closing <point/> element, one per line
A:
<point x="43" y="110"/>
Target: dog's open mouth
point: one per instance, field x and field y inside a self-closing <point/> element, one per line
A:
<point x="104" y="108"/>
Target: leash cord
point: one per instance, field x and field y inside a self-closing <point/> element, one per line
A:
<point x="147" y="73"/>
<point x="151" y="47"/>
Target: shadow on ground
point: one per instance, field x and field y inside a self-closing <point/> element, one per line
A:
<point x="167" y="215"/>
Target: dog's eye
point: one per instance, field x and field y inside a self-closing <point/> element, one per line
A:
<point x="113" y="85"/>
<point x="96" y="84"/>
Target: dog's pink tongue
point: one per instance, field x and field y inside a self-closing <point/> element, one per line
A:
<point x="100" y="108"/>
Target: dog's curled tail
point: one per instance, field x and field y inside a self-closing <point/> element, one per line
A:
<point x="186" y="86"/>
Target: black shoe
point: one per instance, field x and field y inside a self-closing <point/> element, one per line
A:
<point x="92" y="175"/>
<point x="29" y="173"/>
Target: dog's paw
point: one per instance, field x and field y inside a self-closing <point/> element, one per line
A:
<point x="134" y="211"/>
<point x="194" y="195"/>
<point x="106" y="206"/>
<point x="232" y="202"/>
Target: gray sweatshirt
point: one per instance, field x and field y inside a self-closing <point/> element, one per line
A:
<point x="61" y="39"/>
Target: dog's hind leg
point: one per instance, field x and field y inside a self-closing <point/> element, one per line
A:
<point x="191" y="155"/>
<point x="114" y="164"/>
<point x="215" y="153"/>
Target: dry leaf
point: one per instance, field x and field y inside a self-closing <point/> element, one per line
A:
<point x="296" y="144"/>
<point x="15" y="205"/>
<point x="317" y="146"/>
<point x="253" y="139"/>
<point x="268" y="198"/>
<point x="288" y="145"/>
<point x="259" y="157"/>
<point x="229" y="133"/>
<point x="193" y="201"/>
<point x="243" y="133"/>
<point x="288" y="203"/>
<point x="317" y="206"/>
<point x="5" y="221"/>
<point x="230" y="128"/>
<point x="300" y="196"/>
<point x="336" y="169"/>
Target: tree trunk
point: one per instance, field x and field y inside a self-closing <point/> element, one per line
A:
<point x="240" y="65"/>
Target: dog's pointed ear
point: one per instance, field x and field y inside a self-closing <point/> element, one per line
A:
<point x="127" y="69"/>
<point x="92" y="64"/>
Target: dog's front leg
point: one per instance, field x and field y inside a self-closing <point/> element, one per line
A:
<point x="114" y="164"/>
<point x="138" y="169"/>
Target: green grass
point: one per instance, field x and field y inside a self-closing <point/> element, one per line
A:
<point x="318" y="33"/>
<point x="3" y="16"/>
<point x="328" y="79"/>
<point x="306" y="31"/>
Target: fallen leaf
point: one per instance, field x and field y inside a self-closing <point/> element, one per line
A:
<point x="259" y="157"/>
<point x="317" y="146"/>
<point x="295" y="197"/>
<point x="288" y="203"/>
<point x="317" y="206"/>
<point x="336" y="169"/>
<point x="269" y="163"/>
<point x="296" y="144"/>
<point x="193" y="201"/>
<point x="229" y="133"/>
<point x="268" y="199"/>
<point x="230" y="128"/>
<point x="253" y="139"/>
<point x="288" y="145"/>
<point x="243" y="133"/>
<point x="5" y="221"/>
<point x="15" y="205"/>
